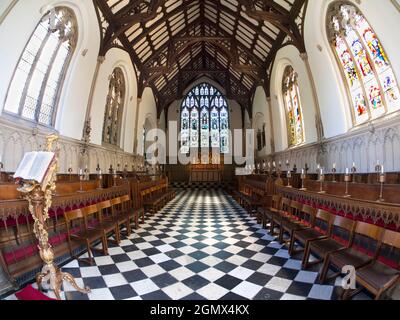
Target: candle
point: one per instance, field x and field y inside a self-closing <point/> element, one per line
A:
<point x="334" y="166"/>
<point x="382" y="170"/>
<point x="303" y="171"/>
<point x="354" y="164"/>
<point x="347" y="171"/>
<point x="378" y="163"/>
<point x="80" y="172"/>
<point x="319" y="166"/>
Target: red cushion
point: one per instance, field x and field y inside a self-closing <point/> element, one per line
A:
<point x="30" y="293"/>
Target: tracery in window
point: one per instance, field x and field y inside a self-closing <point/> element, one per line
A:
<point x="291" y="96"/>
<point x="204" y="119"/>
<point x="372" y="86"/>
<point x="36" y="85"/>
<point x="114" y="108"/>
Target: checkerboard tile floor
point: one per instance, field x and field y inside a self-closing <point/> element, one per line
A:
<point x="202" y="245"/>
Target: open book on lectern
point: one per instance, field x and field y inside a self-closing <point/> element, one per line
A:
<point x="34" y="166"/>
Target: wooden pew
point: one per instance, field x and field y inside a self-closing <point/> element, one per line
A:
<point x="18" y="245"/>
<point x="155" y="194"/>
<point x="383" y="214"/>
<point x="255" y="191"/>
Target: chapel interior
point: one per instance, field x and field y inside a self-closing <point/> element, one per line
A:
<point x="200" y="150"/>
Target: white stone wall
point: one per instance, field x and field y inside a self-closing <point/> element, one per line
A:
<point x="364" y="145"/>
<point x="18" y="136"/>
<point x="16" y="140"/>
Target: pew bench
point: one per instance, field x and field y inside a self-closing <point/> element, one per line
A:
<point x="340" y="231"/>
<point x="19" y="255"/>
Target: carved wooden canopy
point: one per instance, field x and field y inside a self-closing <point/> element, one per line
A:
<point x="174" y="42"/>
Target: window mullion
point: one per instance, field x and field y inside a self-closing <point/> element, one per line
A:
<point x="45" y="80"/>
<point x="31" y="72"/>
<point x="293" y="125"/>
<point x="372" y="63"/>
<point x="301" y="111"/>
<point x="360" y="77"/>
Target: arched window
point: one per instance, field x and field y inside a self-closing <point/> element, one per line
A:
<point x="114" y="108"/>
<point x="204" y="119"/>
<point x="371" y="83"/>
<point x="291" y="97"/>
<point x="36" y="85"/>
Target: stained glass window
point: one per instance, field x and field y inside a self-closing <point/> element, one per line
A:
<point x="373" y="88"/>
<point x="204" y="120"/>
<point x="114" y="108"/>
<point x="291" y="96"/>
<point x="35" y="88"/>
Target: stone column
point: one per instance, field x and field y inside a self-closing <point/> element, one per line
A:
<point x="272" y="138"/>
<point x="318" y="120"/>
<point x="87" y="128"/>
<point x="135" y="136"/>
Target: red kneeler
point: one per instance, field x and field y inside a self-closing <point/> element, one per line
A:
<point x="30" y="293"/>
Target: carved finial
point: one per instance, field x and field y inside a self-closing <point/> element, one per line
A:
<point x="50" y="140"/>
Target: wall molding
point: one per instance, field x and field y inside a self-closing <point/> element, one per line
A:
<point x="396" y="3"/>
<point x="8" y="10"/>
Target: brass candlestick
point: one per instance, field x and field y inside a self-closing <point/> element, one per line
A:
<point x="39" y="197"/>
<point x="354" y="172"/>
<point x="81" y="178"/>
<point x="378" y="170"/>
<point x="382" y="181"/>
<point x="115" y="179"/>
<point x="289" y="177"/>
<point x="70" y="170"/>
<point x="334" y="171"/>
<point x="303" y="178"/>
<point x="126" y="171"/>
<point x="347" y="179"/>
<point x="321" y="181"/>
<point x="1" y="171"/>
<point x="86" y="174"/>
<point x="100" y="178"/>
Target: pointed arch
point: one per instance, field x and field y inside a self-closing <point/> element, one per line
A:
<point x="205" y="119"/>
<point x="370" y="81"/>
<point x="36" y="86"/>
<point x="293" y="108"/>
<point x="114" y="108"/>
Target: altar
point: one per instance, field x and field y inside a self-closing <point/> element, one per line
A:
<point x="207" y="167"/>
<point x="205" y="173"/>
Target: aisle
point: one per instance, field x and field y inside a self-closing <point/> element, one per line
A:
<point x="202" y="245"/>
